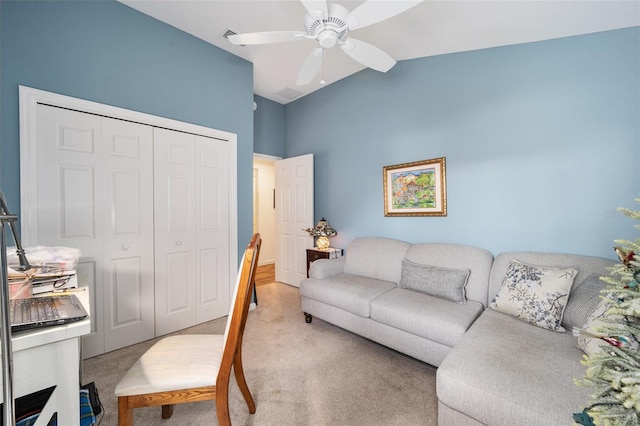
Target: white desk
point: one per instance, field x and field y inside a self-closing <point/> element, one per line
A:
<point x="51" y="356"/>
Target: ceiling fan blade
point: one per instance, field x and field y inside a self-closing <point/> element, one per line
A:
<point x="316" y="8"/>
<point x="371" y="12"/>
<point x="368" y="55"/>
<point x="310" y="67"/>
<point x="266" y="37"/>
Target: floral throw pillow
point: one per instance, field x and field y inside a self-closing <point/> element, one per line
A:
<point x="535" y="294"/>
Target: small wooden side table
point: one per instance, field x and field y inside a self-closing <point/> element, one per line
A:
<point x="315" y="254"/>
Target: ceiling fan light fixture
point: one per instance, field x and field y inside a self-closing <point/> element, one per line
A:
<point x="336" y="22"/>
<point x="328" y="39"/>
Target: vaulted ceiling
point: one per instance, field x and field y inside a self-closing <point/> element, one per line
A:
<point x="427" y="29"/>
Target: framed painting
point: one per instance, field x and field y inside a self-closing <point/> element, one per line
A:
<point x="415" y="189"/>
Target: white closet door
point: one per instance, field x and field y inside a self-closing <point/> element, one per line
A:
<point x="127" y="153"/>
<point x="69" y="194"/>
<point x="175" y="204"/>
<point x="212" y="229"/>
<point x="191" y="228"/>
<point x="95" y="193"/>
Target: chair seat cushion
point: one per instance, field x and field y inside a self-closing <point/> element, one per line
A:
<point x="175" y="362"/>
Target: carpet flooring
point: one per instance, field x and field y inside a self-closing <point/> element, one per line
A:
<point x="298" y="373"/>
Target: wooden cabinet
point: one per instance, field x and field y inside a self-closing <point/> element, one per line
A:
<point x="315" y="254"/>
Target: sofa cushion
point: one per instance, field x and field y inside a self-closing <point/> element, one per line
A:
<point x="535" y="294"/>
<point x="353" y="293"/>
<point x="582" y="302"/>
<point x="440" y="282"/>
<point x="508" y="372"/>
<point x="375" y="257"/>
<point x="424" y="315"/>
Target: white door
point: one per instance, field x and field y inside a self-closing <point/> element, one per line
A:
<point x="294" y="213"/>
<point x="191" y="228"/>
<point x="214" y="278"/>
<point x="127" y="204"/>
<point x="93" y="192"/>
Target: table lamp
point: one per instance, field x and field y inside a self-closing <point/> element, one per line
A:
<point x="322" y="230"/>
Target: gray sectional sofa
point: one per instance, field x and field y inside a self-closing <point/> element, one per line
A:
<point x="360" y="292"/>
<point x="493" y="369"/>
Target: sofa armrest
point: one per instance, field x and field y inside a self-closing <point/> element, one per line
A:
<point x="323" y="268"/>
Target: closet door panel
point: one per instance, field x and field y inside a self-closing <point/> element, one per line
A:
<point x="126" y="292"/>
<point x="69" y="194"/>
<point x="127" y="152"/>
<point x="212" y="228"/>
<point x="178" y="297"/>
<point x="175" y="204"/>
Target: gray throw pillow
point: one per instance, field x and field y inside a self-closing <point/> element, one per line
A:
<point x="440" y="282"/>
<point x="582" y="301"/>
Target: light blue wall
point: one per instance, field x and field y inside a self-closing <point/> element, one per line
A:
<point x="268" y="127"/>
<point x="542" y="143"/>
<point x="106" y="52"/>
<point x="542" y="140"/>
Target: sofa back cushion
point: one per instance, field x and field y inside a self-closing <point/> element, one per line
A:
<point x="476" y="260"/>
<point x="583" y="300"/>
<point x="586" y="265"/>
<point x="376" y="257"/>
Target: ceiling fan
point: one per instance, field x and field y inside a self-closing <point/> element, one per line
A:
<point x="329" y="24"/>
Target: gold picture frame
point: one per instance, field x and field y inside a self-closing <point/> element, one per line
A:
<point x="415" y="189"/>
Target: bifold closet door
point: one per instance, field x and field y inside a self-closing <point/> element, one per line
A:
<point x="127" y="201"/>
<point x="191" y="229"/>
<point x="95" y="193"/>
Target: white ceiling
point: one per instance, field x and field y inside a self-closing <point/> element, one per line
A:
<point x="430" y="28"/>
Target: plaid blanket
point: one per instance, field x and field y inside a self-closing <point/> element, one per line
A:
<point x="87" y="418"/>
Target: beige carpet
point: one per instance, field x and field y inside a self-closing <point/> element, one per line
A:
<point x="298" y="373"/>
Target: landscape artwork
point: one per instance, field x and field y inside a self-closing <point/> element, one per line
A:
<point x="415" y="189"/>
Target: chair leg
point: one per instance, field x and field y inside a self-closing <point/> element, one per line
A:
<point x="222" y="406"/>
<point x="125" y="414"/>
<point x="242" y="382"/>
<point x="167" y="411"/>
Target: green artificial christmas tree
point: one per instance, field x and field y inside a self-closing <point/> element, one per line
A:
<point x="614" y="371"/>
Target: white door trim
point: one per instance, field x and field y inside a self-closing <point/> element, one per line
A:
<point x="29" y="100"/>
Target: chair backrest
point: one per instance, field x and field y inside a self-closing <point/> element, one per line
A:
<point x="241" y="298"/>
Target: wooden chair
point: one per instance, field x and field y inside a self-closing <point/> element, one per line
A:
<point x="194" y="367"/>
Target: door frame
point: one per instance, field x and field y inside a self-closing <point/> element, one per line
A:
<point x="271" y="159"/>
<point x="29" y="100"/>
